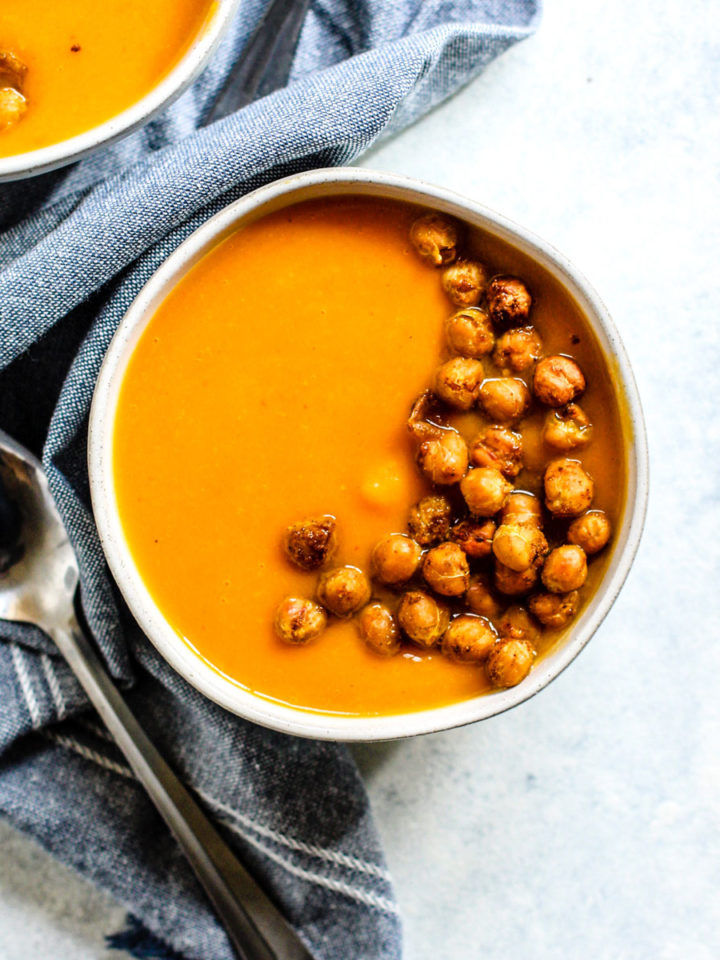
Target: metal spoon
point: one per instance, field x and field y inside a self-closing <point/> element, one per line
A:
<point x="38" y="586"/>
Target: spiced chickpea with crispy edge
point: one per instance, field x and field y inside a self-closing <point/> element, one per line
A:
<point x="567" y="428"/>
<point x="517" y="350"/>
<point x="519" y="546"/>
<point x="474" y="537"/>
<point x="558" y="380"/>
<point x="554" y="610"/>
<point x="499" y="447"/>
<point x="509" y="662"/>
<point x="568" y="489"/>
<point x="484" y="490"/>
<point x="591" y="531"/>
<point x="310" y="543"/>
<point x="378" y="629"/>
<point x="444" y="458"/>
<point x="445" y="569"/>
<point x="508" y="300"/>
<point x="517" y="624"/>
<point x="469" y="333"/>
<point x="429" y="519"/>
<point x="395" y="559"/>
<point x="514" y="583"/>
<point x="504" y="399"/>
<point x="464" y="282"/>
<point x="481" y="598"/>
<point x="457" y="382"/>
<point x="468" y="639"/>
<point x="435" y="238"/>
<point x="423" y="619"/>
<point x="565" y="569"/>
<point x="343" y="590"/>
<point x="299" y="621"/>
<point x="521" y="507"/>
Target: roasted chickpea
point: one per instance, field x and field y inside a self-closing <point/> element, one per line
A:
<point x="444" y="459"/>
<point x="299" y="621"/>
<point x="457" y="382"/>
<point x="310" y="543"/>
<point x="378" y="629"/>
<point x="517" y="624"/>
<point x="13" y="107"/>
<point x="474" y="537"/>
<point x="498" y="447"/>
<point x="509" y="301"/>
<point x="435" y="238"/>
<point x="429" y="519"/>
<point x="567" y="427"/>
<point x="517" y="350"/>
<point x="395" y="559"/>
<point x="422" y="618"/>
<point x="446" y="570"/>
<point x="464" y="282"/>
<point x="557" y="381"/>
<point x="480" y="597"/>
<point x="554" y="609"/>
<point x="568" y="489"/>
<point x="343" y="590"/>
<point x="484" y="490"/>
<point x="469" y="639"/>
<point x="513" y="583"/>
<point x="565" y="569"/>
<point x="519" y="546"/>
<point x="509" y="662"/>
<point x="469" y="333"/>
<point x="591" y="531"/>
<point x="522" y="508"/>
<point x="504" y="399"/>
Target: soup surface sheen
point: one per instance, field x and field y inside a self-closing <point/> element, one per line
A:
<point x="88" y="61"/>
<point x="274" y="383"/>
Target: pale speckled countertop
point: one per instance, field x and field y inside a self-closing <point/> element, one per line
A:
<point x="585" y="823"/>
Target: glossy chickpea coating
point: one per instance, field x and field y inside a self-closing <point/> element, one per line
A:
<point x="464" y="282"/>
<point x="343" y="590"/>
<point x="378" y="629"/>
<point x="517" y="350"/>
<point x="457" y="382"/>
<point x="444" y="459"/>
<point x="509" y="662"/>
<point x="422" y="618"/>
<point x="474" y="537"/>
<point x="469" y="639"/>
<point x="565" y="569"/>
<point x="519" y="546"/>
<point x="299" y="621"/>
<point x="435" y="238"/>
<point x="557" y="381"/>
<point x="568" y="489"/>
<point x="509" y="301"/>
<point x="498" y="447"/>
<point x="310" y="543"/>
<point x="554" y="610"/>
<point x="484" y="490"/>
<point x="567" y="427"/>
<point x="446" y="570"/>
<point x="13" y="107"/>
<point x="514" y="583"/>
<point x="481" y="599"/>
<point x="522" y="508"/>
<point x="429" y="519"/>
<point x="591" y="531"/>
<point x="395" y="559"/>
<point x="469" y="333"/>
<point x="425" y="421"/>
<point x="504" y="399"/>
<point x="517" y="624"/>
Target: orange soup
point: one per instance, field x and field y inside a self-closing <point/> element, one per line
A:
<point x="83" y="61"/>
<point x="274" y="383"/>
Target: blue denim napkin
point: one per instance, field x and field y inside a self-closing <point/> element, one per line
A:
<point x="76" y="246"/>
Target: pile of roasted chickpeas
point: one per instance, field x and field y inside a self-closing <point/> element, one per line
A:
<point x="474" y="575"/>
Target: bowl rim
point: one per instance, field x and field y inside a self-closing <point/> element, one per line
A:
<point x="19" y="166"/>
<point x="178" y="651"/>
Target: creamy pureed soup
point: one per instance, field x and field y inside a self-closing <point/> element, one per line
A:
<point x="77" y="63"/>
<point x="274" y="383"/>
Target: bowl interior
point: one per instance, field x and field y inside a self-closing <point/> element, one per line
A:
<point x="179" y="654"/>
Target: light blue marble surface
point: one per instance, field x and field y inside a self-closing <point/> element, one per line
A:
<point x="585" y="823"/>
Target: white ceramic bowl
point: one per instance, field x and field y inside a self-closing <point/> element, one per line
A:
<point x="100" y="454"/>
<point x="30" y="164"/>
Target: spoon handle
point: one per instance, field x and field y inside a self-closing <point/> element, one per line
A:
<point x="254" y="925"/>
